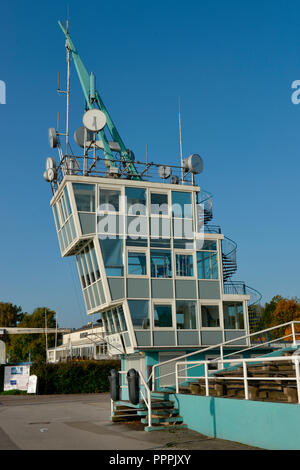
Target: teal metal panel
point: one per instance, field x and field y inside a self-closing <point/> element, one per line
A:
<point x="162" y="288"/>
<point x="209" y="338"/>
<point x="137" y="288"/>
<point x="163" y="338"/>
<point x="116" y="286"/>
<point x="187" y="338"/>
<point x="185" y="289"/>
<point x="87" y="222"/>
<point x="143" y="338"/>
<point x="209" y="289"/>
<point x="267" y="425"/>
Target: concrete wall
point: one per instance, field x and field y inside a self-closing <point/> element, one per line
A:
<point x="267" y="425"/>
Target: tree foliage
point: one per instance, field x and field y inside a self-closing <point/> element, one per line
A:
<point x="23" y="347"/>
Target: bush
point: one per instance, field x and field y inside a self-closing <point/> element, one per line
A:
<point x="74" y="377"/>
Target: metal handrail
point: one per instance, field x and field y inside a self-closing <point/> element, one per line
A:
<point x="295" y="359"/>
<point x="221" y="346"/>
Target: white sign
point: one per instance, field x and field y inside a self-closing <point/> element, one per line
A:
<point x="16" y="377"/>
<point x="114" y="344"/>
<point x="32" y="383"/>
<point x="2" y="352"/>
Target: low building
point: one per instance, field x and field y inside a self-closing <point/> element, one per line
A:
<point x="87" y="342"/>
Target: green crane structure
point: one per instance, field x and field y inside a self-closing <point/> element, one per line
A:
<point x="93" y="100"/>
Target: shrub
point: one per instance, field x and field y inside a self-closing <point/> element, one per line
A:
<point x="73" y="377"/>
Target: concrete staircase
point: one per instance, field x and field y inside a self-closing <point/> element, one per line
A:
<point x="165" y="415"/>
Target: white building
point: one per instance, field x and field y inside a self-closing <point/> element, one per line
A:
<point x="87" y="342"/>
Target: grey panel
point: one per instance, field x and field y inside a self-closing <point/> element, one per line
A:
<point x="126" y="339"/>
<point x="138" y="288"/>
<point x="185" y="289"/>
<point x="116" y="286"/>
<point x="162" y="288"/>
<point x="211" y="337"/>
<point x="101" y="292"/>
<point x="163" y="338"/>
<point x="235" y="334"/>
<point x="143" y="338"/>
<point x="87" y="222"/>
<point x="209" y="289"/>
<point x="187" y="338"/>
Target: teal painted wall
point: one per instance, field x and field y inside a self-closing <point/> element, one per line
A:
<point x="273" y="426"/>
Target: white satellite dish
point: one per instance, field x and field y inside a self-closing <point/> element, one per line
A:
<point x="79" y="136"/>
<point x="164" y="172"/>
<point x="50" y="163"/>
<point x="94" y="120"/>
<point x="53" y="137"/>
<point x="193" y="163"/>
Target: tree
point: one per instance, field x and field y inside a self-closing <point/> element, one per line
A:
<point x="24" y="345"/>
<point x="266" y="320"/>
<point x="10" y="315"/>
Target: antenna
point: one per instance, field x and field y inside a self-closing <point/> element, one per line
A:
<point x="180" y="138"/>
<point x="66" y="92"/>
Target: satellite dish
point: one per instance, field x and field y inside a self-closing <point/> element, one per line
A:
<point x="193" y="163"/>
<point x="50" y="163"/>
<point x="79" y="136"/>
<point x="174" y="179"/>
<point x="53" y="137"/>
<point x="164" y="172"/>
<point x="94" y="120"/>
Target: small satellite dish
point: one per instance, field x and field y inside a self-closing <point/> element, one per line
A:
<point x="193" y="163"/>
<point x="53" y="137"/>
<point x="174" y="179"/>
<point x="50" y="163"/>
<point x="164" y="172"/>
<point x="50" y="174"/>
<point x="94" y="120"/>
<point x="79" y="136"/>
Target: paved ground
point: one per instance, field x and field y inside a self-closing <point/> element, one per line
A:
<point x="82" y="422"/>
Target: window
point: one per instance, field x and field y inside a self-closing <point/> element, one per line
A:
<point x="210" y="316"/>
<point x="186" y="315"/>
<point x="184" y="265"/>
<point x="207" y="265"/>
<point x="139" y="312"/>
<point x="84" y="197"/>
<point x="109" y="200"/>
<point x="163" y="316"/>
<point x="182" y="204"/>
<point x="233" y="315"/>
<point x="137" y="264"/>
<point x="112" y="252"/>
<point x="161" y="265"/>
<point x="159" y="204"/>
<point x="136" y="201"/>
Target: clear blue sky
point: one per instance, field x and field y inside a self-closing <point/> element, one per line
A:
<point x="232" y="63"/>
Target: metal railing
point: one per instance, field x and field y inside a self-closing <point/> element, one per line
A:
<point x="246" y="379"/>
<point x="263" y="339"/>
<point x="147" y="400"/>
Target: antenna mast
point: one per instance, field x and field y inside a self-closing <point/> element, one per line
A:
<point x="180" y="140"/>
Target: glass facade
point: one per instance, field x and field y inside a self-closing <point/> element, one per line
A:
<point x="186" y="314"/>
<point x="163" y="316"/>
<point x="210" y="316"/>
<point x="233" y="315"/>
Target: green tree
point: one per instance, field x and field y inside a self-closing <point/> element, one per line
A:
<point x="268" y="310"/>
<point x="34" y="345"/>
<point x="10" y="315"/>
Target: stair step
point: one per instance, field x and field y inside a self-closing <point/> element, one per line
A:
<point x="166" y="426"/>
<point x="177" y="419"/>
<point x="116" y="419"/>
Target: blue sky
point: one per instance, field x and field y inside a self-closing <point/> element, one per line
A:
<point x="232" y="64"/>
